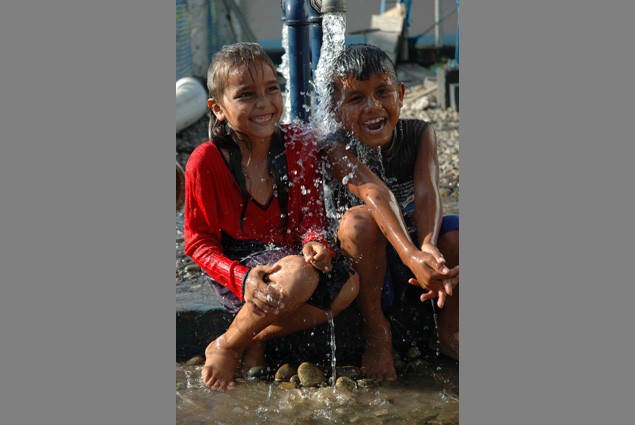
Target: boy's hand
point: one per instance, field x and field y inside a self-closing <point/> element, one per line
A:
<point x="262" y="297"/>
<point x="433" y="275"/>
<point x="439" y="266"/>
<point x="316" y="254"/>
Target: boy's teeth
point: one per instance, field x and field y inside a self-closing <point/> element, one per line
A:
<point x="375" y="121"/>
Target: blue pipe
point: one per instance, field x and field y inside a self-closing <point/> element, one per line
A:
<point x="295" y="17"/>
<point x="298" y="15"/>
<point x="315" y="19"/>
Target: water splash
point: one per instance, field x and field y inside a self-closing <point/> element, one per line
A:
<point x="333" y="347"/>
<point x="284" y="70"/>
<point x="436" y="331"/>
<point x="333" y="30"/>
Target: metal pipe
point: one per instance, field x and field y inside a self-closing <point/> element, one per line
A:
<point x="296" y="19"/>
<point x="298" y="15"/>
<point x="315" y="19"/>
<point x="329" y="6"/>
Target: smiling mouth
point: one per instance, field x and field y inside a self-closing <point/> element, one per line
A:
<point x="262" y="119"/>
<point x="375" y="125"/>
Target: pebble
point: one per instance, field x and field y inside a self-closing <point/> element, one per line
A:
<point x="310" y="375"/>
<point x="352" y="372"/>
<point x="195" y="361"/>
<point x="345" y="383"/>
<point x="260" y="373"/>
<point x="285" y="372"/>
<point x="367" y="383"/>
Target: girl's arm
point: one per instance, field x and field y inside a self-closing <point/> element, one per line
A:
<point x="202" y="230"/>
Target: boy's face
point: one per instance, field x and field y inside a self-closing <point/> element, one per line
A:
<point x="370" y="109"/>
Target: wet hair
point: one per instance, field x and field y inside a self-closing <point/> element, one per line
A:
<point x="224" y="137"/>
<point x="359" y="61"/>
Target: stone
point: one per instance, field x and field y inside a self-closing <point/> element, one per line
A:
<point x="352" y="372"/>
<point x="310" y="375"/>
<point x="285" y="372"/>
<point x="344" y="383"/>
<point x="195" y="361"/>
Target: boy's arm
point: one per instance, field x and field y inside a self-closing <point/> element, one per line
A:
<point x="428" y="207"/>
<point x="380" y="200"/>
<point x="364" y="184"/>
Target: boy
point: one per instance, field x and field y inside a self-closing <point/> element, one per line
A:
<point x="366" y="99"/>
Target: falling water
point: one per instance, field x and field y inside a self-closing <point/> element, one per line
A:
<point x="333" y="361"/>
<point x="333" y="29"/>
<point x="284" y="70"/>
<point x="436" y="331"/>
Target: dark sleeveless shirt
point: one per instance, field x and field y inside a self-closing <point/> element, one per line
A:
<point x="395" y="165"/>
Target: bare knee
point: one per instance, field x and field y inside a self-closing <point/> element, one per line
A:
<point x="297" y="279"/>
<point x="358" y="230"/>
<point x="347" y="294"/>
<point x="449" y="246"/>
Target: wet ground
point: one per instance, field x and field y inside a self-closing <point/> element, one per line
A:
<point x="427" y="393"/>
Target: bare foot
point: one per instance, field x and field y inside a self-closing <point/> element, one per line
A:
<point x="449" y="334"/>
<point x="377" y="361"/>
<point x="449" y="344"/>
<point x="220" y="365"/>
<point x="254" y="355"/>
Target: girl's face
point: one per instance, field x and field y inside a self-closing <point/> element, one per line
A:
<point x="370" y="109"/>
<point x="252" y="102"/>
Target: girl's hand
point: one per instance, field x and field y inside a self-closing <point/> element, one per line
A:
<point x="262" y="296"/>
<point x="316" y="254"/>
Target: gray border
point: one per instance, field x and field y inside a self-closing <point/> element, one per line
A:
<point x="546" y="186"/>
<point x="87" y="303"/>
<point x="87" y="322"/>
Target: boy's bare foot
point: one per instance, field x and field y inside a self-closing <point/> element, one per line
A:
<point x="254" y="355"/>
<point x="449" y="344"/>
<point x="220" y="365"/>
<point x="377" y="361"/>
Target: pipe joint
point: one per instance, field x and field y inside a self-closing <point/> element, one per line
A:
<point x="329" y="6"/>
<point x="294" y="13"/>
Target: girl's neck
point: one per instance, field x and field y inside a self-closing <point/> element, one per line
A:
<point x="256" y="150"/>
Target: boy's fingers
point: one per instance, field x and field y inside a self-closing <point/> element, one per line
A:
<point x="441" y="300"/>
<point x="447" y="284"/>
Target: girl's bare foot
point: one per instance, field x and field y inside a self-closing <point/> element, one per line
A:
<point x="377" y="361"/>
<point x="254" y="355"/>
<point x="220" y="366"/>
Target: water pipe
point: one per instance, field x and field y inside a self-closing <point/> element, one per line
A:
<point x="191" y="102"/>
<point x="297" y="15"/>
<point x="315" y="19"/>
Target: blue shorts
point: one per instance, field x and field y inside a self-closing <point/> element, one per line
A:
<point x="397" y="274"/>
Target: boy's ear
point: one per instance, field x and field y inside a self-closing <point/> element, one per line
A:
<point x="216" y="109"/>
<point x="402" y="92"/>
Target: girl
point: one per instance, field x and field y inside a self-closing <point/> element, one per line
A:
<point x="255" y="219"/>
